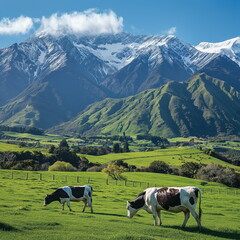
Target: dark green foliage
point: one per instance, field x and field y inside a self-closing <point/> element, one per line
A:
<point x="126" y="147"/>
<point x="220" y="174"/>
<point x="189" y="169"/>
<point x="116" y="148"/>
<point x="96" y="151"/>
<point x="31" y="130"/>
<point x="159" y="167"/>
<point x="63" y="145"/>
<point x="51" y="149"/>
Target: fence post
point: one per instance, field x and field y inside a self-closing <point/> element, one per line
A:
<point x="40" y="176"/>
<point x="12" y="175"/>
<point x="77" y="179"/>
<point x="107" y="181"/>
<point x="148" y="185"/>
<point x="125" y="182"/>
<point x="53" y="177"/>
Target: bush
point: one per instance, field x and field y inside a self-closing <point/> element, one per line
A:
<point x="217" y="173"/>
<point x="114" y="171"/>
<point x="159" y="167"/>
<point x="95" y="169"/>
<point x="189" y="169"/>
<point x="62" y="166"/>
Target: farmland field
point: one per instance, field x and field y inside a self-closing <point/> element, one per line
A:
<point x="24" y="217"/>
<point x="172" y="156"/>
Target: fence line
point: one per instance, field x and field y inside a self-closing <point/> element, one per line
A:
<point x="108" y="181"/>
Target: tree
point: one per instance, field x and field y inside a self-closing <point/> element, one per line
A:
<point x="126" y="147"/>
<point x="159" y="167"/>
<point x="116" y="148"/>
<point x="189" y="169"/>
<point x="114" y="171"/>
<point x="217" y="173"/>
<point x="64" y="145"/>
<point x="51" y="149"/>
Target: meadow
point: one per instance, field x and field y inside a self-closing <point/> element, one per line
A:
<point x="23" y="215"/>
<point x="172" y="156"/>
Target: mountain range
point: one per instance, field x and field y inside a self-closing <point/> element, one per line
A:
<point x="48" y="80"/>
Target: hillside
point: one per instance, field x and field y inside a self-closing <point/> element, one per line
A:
<point x="202" y="106"/>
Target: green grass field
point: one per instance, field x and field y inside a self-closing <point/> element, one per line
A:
<point x="23" y="215"/>
<point x="172" y="156"/>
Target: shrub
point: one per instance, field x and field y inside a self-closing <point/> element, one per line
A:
<point x="95" y="169"/>
<point x="217" y="173"/>
<point x="62" y="166"/>
<point x="189" y="169"/>
<point x="159" y="167"/>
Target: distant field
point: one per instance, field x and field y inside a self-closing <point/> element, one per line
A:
<point x="16" y="148"/>
<point x="172" y="156"/>
<point x="24" y="216"/>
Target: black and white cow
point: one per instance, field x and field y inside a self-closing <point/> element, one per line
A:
<point x="172" y="199"/>
<point x="71" y="193"/>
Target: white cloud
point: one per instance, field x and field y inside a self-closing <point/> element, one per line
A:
<point x="171" y="31"/>
<point x="89" y="22"/>
<point x="20" y="25"/>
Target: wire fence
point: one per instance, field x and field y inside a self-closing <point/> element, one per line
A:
<point x="82" y="180"/>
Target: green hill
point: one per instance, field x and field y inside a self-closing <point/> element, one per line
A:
<point x="202" y="106"/>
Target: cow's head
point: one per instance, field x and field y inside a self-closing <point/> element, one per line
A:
<point x="47" y="200"/>
<point x="136" y="204"/>
<point x="131" y="210"/>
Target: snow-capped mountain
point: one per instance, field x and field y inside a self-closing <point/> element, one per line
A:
<point x="230" y="48"/>
<point x="47" y="79"/>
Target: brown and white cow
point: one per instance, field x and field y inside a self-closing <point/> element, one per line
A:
<point x="71" y="193"/>
<point x="172" y="199"/>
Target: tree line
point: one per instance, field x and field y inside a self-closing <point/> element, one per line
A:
<point x="18" y="129"/>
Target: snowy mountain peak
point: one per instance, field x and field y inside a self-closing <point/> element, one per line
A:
<point x="230" y="48"/>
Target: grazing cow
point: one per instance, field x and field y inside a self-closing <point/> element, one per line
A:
<point x="172" y="199"/>
<point x="71" y="193"/>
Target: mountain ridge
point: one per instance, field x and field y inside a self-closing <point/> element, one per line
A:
<point x="203" y="111"/>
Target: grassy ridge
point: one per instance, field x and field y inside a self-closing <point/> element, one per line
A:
<point x="21" y="208"/>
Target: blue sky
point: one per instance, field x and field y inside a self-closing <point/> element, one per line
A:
<point x="193" y="21"/>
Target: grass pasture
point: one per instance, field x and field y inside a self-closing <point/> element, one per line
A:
<point x="172" y="156"/>
<point x="23" y="216"/>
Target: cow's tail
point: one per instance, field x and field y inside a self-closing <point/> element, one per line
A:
<point x="200" y="209"/>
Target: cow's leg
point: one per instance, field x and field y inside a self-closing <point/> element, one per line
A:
<point x="85" y="204"/>
<point x="159" y="218"/>
<point x="63" y="205"/>
<point x="68" y="204"/>
<point x="154" y="213"/>
<point x="195" y="215"/>
<point x="187" y="216"/>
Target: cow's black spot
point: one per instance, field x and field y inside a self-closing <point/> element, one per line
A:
<point x="196" y="190"/>
<point x="77" y="192"/>
<point x="139" y="201"/>
<point x="191" y="200"/>
<point x="168" y="197"/>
